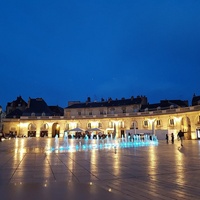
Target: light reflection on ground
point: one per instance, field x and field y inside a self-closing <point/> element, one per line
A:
<point x="73" y="145"/>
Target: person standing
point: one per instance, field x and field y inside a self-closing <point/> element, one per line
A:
<point x="181" y="136"/>
<point x="172" y="137"/>
<point x="167" y="138"/>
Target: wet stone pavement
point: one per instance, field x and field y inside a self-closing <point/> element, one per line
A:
<point x="164" y="171"/>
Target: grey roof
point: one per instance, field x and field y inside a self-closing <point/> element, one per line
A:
<point x="16" y="113"/>
<point x="195" y="100"/>
<point x="165" y="104"/>
<point x="18" y="101"/>
<point x="109" y="103"/>
<point x="57" y="111"/>
<point x="37" y="106"/>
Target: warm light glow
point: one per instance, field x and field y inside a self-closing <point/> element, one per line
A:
<point x="177" y="119"/>
<point x="23" y="125"/>
<point x="151" y="120"/>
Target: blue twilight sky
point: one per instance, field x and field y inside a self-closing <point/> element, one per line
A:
<point x="73" y="49"/>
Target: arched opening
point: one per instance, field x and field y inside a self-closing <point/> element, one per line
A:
<point x="56" y="130"/>
<point x="31" y="130"/>
<point x="186" y="127"/>
<point x="44" y="130"/>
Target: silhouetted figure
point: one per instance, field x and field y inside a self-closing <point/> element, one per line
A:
<point x="167" y="138"/>
<point x="172" y="137"/>
<point x="181" y="136"/>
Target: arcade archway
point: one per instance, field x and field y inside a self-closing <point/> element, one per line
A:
<point x="31" y="130"/>
<point x="186" y="127"/>
<point x="44" y="130"/>
<point x="56" y="130"/>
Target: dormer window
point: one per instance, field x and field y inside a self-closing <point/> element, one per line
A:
<point x="32" y="114"/>
<point x="171" y="106"/>
<point x="43" y="114"/>
<point x="158" y="108"/>
<point x="146" y="109"/>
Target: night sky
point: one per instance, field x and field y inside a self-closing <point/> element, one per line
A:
<point x="68" y="50"/>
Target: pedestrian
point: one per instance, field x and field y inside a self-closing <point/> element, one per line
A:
<point x="172" y="136"/>
<point x="181" y="136"/>
<point x="167" y="138"/>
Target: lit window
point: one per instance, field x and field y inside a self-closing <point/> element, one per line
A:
<point x="121" y="124"/>
<point x="67" y="126"/>
<point x="158" y="123"/>
<point x="99" y="125"/>
<point x="89" y="125"/>
<point x="146" y="124"/>
<point x="171" y="122"/>
<point x="110" y="124"/>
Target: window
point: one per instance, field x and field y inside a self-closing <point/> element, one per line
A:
<point x="43" y="114"/>
<point x="171" y="106"/>
<point x="121" y="124"/>
<point x="32" y="114"/>
<point x="67" y="126"/>
<point x="158" y="122"/>
<point x="101" y="112"/>
<point x="99" y="125"/>
<point x="146" y="124"/>
<point x="90" y="112"/>
<point x="123" y="110"/>
<point x="158" y="108"/>
<point x="112" y="110"/>
<point x="89" y="125"/>
<point x="79" y="113"/>
<point x="171" y="122"/>
<point x="110" y="125"/>
<point x="134" y="125"/>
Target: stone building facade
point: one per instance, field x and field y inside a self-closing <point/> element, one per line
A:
<point x="113" y="116"/>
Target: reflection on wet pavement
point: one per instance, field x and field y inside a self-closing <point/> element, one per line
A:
<point x="163" y="171"/>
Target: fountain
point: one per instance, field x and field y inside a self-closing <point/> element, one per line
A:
<point x="73" y="145"/>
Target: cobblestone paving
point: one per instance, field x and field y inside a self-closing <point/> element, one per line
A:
<point x="165" y="171"/>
